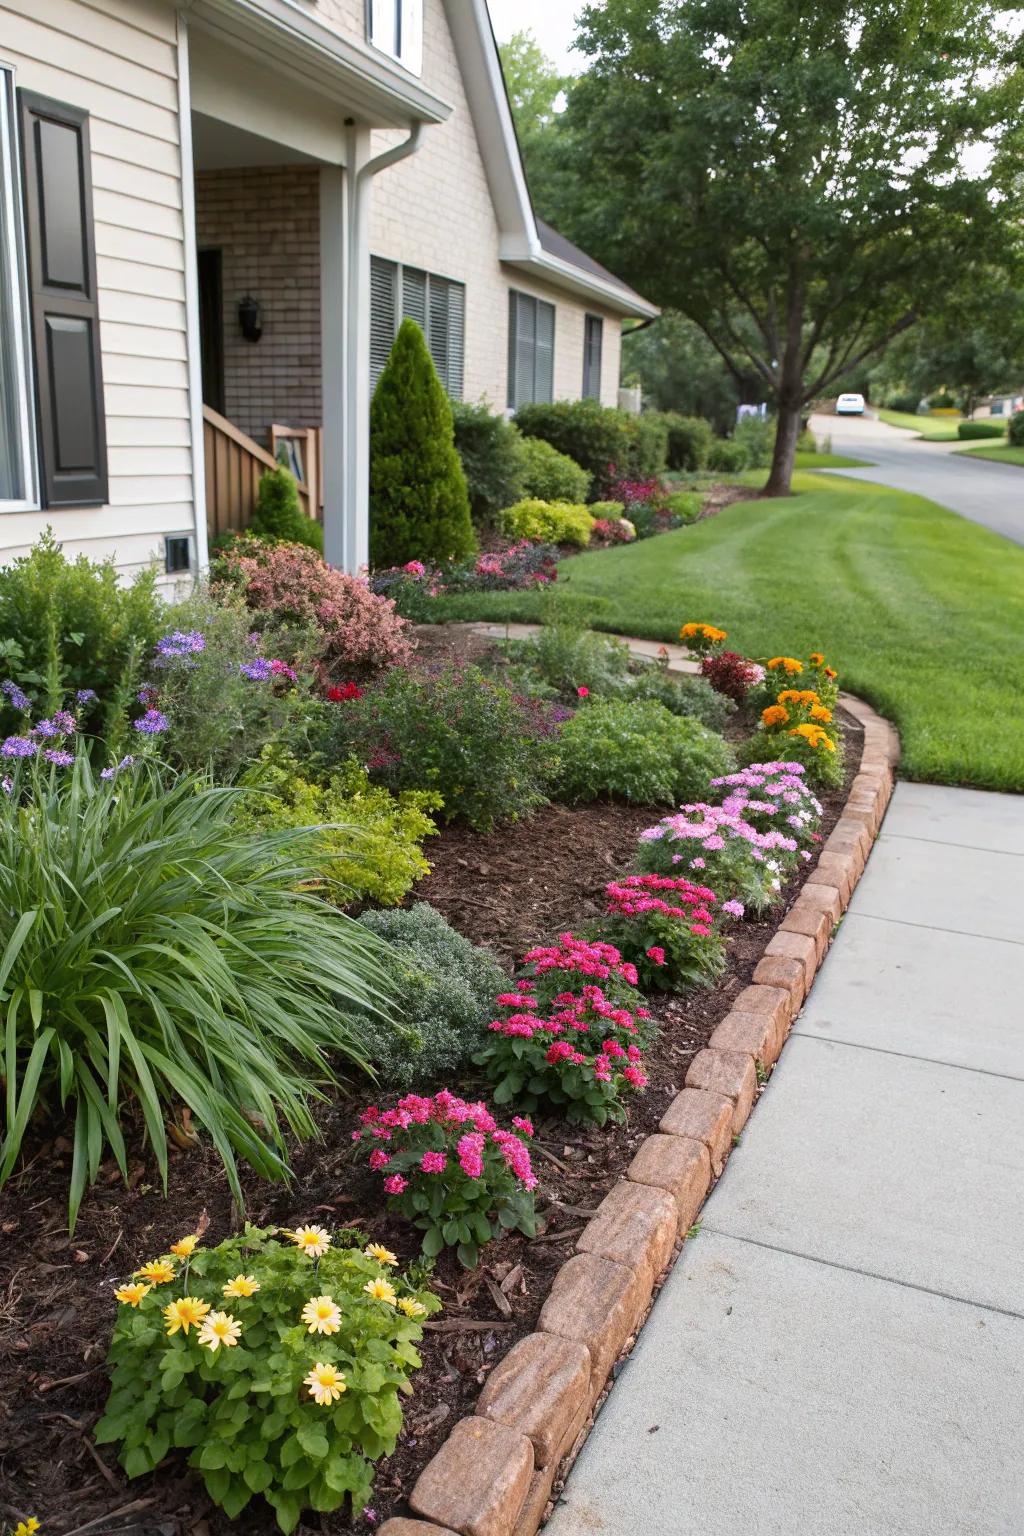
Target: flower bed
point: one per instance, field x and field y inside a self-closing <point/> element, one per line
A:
<point x="513" y="888"/>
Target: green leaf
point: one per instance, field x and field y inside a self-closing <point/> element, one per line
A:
<point x="433" y="1242"/>
<point x="258" y="1475"/>
<point x="313" y="1440"/>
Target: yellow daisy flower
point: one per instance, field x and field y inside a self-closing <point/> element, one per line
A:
<point x="380" y="1253"/>
<point x="220" y="1328"/>
<point x="131" y="1295"/>
<point x="314" y="1241"/>
<point x="381" y="1290"/>
<point x="411" y="1307"/>
<point x="185" y="1247"/>
<point x="157" y="1272"/>
<point x="325" y="1383"/>
<point x="27" y="1527"/>
<point x="185" y="1314"/>
<point x="242" y="1285"/>
<point x="321" y="1314"/>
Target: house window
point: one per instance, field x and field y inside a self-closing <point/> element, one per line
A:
<point x="593" y="333"/>
<point x="17" y="467"/>
<point x="438" y="306"/>
<point x="531" y="349"/>
<point x="396" y="28"/>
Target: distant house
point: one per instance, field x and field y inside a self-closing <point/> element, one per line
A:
<point x="212" y="220"/>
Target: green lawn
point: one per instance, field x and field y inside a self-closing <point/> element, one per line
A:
<point x="1000" y="453"/>
<point x="918" y="609"/>
<point x="937" y="429"/>
<point x="830" y="461"/>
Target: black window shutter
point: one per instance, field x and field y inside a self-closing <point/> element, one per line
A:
<point x="65" y="316"/>
<point x="592" y="337"/>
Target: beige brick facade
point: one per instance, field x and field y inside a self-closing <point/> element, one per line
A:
<point x="266" y="224"/>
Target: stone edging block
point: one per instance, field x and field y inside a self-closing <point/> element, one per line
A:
<point x="494" y="1474"/>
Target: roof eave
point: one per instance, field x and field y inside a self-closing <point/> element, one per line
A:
<point x="563" y="274"/>
<point x="283" y="33"/>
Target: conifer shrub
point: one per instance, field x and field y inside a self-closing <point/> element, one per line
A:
<point x="278" y="512"/>
<point x="419" y="502"/>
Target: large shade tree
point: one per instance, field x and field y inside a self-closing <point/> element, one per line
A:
<point x="803" y="182"/>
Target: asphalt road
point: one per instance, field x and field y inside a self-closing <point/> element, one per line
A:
<point x="986" y="493"/>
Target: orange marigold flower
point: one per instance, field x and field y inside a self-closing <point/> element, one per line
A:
<point x="787" y="663"/>
<point x="775" y="715"/>
<point x="831" y="672"/>
<point x="817" y="659"/>
<point x="797" y="696"/>
<point x="705" y="631"/>
<point x="819" y="712"/>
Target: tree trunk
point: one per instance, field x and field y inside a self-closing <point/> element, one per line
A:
<point x="786" y="433"/>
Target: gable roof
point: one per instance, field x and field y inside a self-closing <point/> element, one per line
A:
<point x="525" y="242"/>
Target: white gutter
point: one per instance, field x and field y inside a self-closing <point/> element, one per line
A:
<point x="565" y="274"/>
<point x="195" y="373"/>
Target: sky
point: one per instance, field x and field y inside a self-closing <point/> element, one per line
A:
<point x="550" y="21"/>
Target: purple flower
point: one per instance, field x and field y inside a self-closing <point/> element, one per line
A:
<point x="254" y="637"/>
<point x="85" y="695"/>
<point x="6" y="785"/>
<point x="178" y="643"/>
<point x="17" y="699"/>
<point x="60" y="758"/>
<point x="152" y="723"/>
<point x="65" y="720"/>
<point x="46" y="728"/>
<point x="111" y="773"/>
<point x="18" y="746"/>
<point x="734" y="908"/>
<point x="257" y="671"/>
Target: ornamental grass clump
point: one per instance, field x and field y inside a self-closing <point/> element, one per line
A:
<point x="451" y="1171"/>
<point x="742" y="864"/>
<point x="571" y="1033"/>
<point x="154" y="959"/>
<point x="276" y="1360"/>
<point x="668" y="927"/>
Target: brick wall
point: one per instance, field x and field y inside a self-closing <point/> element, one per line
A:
<point x="266" y="223"/>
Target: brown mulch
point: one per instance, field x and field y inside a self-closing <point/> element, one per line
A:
<point x="515" y="887"/>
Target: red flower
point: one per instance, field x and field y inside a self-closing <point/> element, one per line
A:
<point x="347" y="691"/>
<point x="583" y="693"/>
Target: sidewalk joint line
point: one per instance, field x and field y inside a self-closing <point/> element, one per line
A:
<point x="868" y="1274"/>
<point x="883" y="1050"/>
<point x="940" y="842"/>
<point x="962" y="933"/>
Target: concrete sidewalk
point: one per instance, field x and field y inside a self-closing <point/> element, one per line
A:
<point x="840" y="1351"/>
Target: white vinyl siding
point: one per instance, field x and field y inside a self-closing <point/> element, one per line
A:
<point x="531" y="349"/>
<point x="117" y="60"/>
<point x="17" y="451"/>
<point x="438" y="306"/>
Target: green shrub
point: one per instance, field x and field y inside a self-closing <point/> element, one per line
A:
<point x="368" y="841"/>
<point x="943" y="401"/>
<point x="907" y="404"/>
<point x="157" y="956"/>
<point x="419" y="504"/>
<point x="70" y="625"/>
<point x="490" y="449"/>
<point x="488" y="754"/>
<point x="548" y="522"/>
<point x="806" y="442"/>
<point x="1015" y="429"/>
<point x="689" y="441"/>
<point x="221" y="715"/>
<point x="978" y="429"/>
<point x="246" y="1415"/>
<point x="639" y="752"/>
<point x="606" y="443"/>
<point x="549" y="475"/>
<point x="278" y="512"/>
<point x="444" y="989"/>
<point x="567" y="657"/>
<point x="756" y="436"/>
<point x="727" y="457"/>
<point x="610" y="510"/>
<point x="683" y="505"/>
<point x="682" y="694"/>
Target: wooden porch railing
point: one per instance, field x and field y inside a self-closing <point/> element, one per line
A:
<point x="235" y="464"/>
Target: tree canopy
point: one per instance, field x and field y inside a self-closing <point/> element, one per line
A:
<point x="802" y="183"/>
<point x="535" y="91"/>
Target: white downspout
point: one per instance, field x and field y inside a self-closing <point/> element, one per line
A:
<point x="355" y="553"/>
<point x="191" y="274"/>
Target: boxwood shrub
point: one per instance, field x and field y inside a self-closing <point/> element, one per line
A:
<point x="978" y="429"/>
<point x="548" y="522"/>
<point x="550" y="475"/>
<point x="1015" y="430"/>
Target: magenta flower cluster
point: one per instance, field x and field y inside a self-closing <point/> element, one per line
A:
<point x="461" y="1133"/>
<point x="635" y="895"/>
<point x="770" y="796"/>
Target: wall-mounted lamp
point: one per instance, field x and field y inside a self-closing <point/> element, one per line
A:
<point x="250" y="318"/>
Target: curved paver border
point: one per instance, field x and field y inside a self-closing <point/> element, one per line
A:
<point x="495" y="1472"/>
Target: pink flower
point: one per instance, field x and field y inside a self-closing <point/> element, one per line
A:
<point x="395" y="1184"/>
<point x="634" y="1076"/>
<point x="583" y="693"/>
<point x="734" y="908"/>
<point x="657" y="954"/>
<point x="471" y="1154"/>
<point x="433" y="1162"/>
<point x="378" y="1160"/>
<point x="522" y="1123"/>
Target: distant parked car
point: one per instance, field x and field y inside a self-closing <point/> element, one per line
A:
<point x="850" y="405"/>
